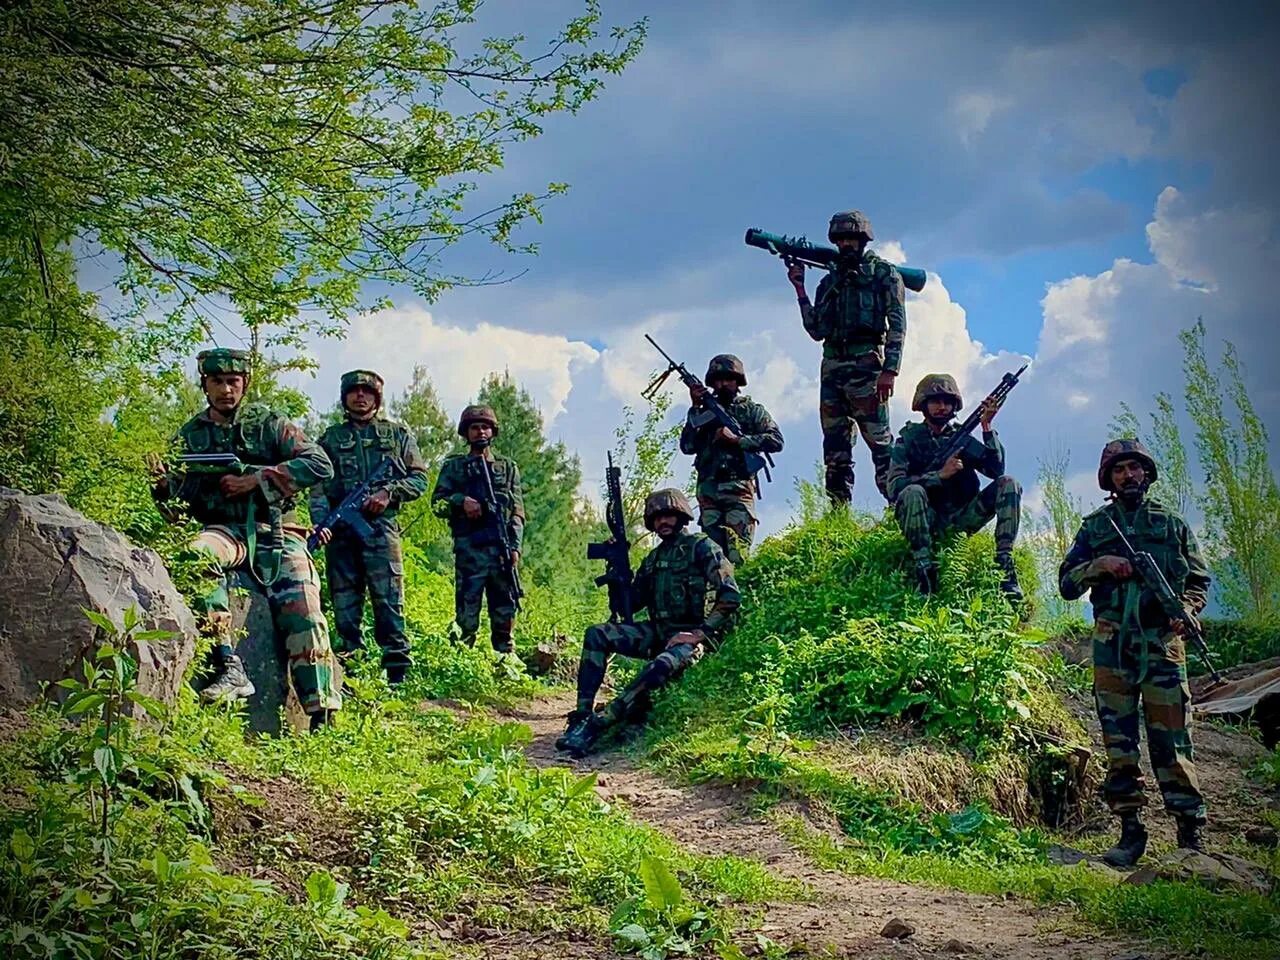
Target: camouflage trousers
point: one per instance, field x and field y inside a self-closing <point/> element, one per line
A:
<point x="354" y="568"/>
<point x="294" y="599"/>
<point x="920" y="522"/>
<point x="644" y="641"/>
<point x="1133" y="664"/>
<point x="848" y="396"/>
<point x="727" y="514"/>
<point x="478" y="575"/>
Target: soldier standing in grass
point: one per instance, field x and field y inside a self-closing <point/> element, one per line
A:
<point x="686" y="583"/>
<point x="929" y="503"/>
<point x="477" y="549"/>
<point x="1138" y="651"/>
<point x="250" y="524"/>
<point x="726" y="491"/>
<point x="859" y="316"/>
<point x="357" y="447"/>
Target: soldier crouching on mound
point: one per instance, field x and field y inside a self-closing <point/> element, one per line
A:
<point x="928" y="502"/>
<point x="675" y="582"/>
<point x="1138" y="651"/>
<point x="247" y="510"/>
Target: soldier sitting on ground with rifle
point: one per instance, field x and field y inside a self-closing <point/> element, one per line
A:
<point x="931" y="498"/>
<point x="363" y="553"/>
<point x="479" y="494"/>
<point x="245" y="503"/>
<point x="686" y="583"/>
<point x="1139" y="642"/>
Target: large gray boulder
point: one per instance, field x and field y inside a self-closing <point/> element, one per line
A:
<point x="54" y="561"/>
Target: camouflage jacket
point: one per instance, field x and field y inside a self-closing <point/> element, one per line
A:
<point x="289" y="463"/>
<point x="1152" y="527"/>
<point x="916" y="448"/>
<point x="356" y="450"/>
<point x="720" y="462"/>
<point x="460" y="478"/>
<point x="857" y="311"/>
<point x="686" y="583"/>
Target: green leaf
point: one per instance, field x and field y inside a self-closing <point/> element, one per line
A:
<point x="130" y="617"/>
<point x="160" y="866"/>
<point x="154" y="708"/>
<point x="100" y="621"/>
<point x="105" y="762"/>
<point x="23" y="847"/>
<point x="84" y="703"/>
<point x="662" y="889"/>
<point x="583" y="785"/>
<point x="634" y="935"/>
<point x="149" y="636"/>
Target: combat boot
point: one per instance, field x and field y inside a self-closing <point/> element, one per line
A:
<point x="232" y="684"/>
<point x="1131" y="845"/>
<point x="396" y="673"/>
<point x="1190" y="834"/>
<point x="581" y="740"/>
<point x="319" y="719"/>
<point x="575" y="717"/>
<point x="1009" y="585"/>
<point x="927" y="577"/>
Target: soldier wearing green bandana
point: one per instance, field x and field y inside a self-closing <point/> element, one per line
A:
<point x="250" y="527"/>
<point x="357" y="447"/>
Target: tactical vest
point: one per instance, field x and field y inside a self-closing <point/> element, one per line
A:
<point x="251" y="437"/>
<point x="1153" y="527"/>
<point x="855" y="302"/>
<point x="468" y="479"/>
<point x="357" y="451"/>
<point x="922" y="448"/>
<point x="721" y="462"/>
<point x="679" y="587"/>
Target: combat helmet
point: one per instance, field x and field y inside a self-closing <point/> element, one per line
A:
<point x="223" y="360"/>
<point x="849" y="223"/>
<point x="666" y="500"/>
<point x="477" y="413"/>
<point x="1126" y="448"/>
<point x="936" y="385"/>
<point x="726" y="364"/>
<point x="360" y="378"/>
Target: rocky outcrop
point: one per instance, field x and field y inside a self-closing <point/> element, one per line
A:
<point x="54" y="563"/>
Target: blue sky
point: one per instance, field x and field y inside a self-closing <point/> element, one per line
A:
<point x="1081" y="181"/>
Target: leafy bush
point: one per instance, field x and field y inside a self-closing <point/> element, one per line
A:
<point x="1232" y="642"/>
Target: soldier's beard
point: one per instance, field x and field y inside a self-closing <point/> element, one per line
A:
<point x="726" y="397"/>
<point x="1131" y="494"/>
<point x="478" y="445"/>
<point x="939" y="421"/>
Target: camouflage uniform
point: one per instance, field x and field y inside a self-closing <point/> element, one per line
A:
<point x="686" y="583"/>
<point x="289" y="464"/>
<point x="726" y="492"/>
<point x="859" y="315"/>
<point x="1135" y="652"/>
<point x="476" y="551"/>
<point x="353" y="566"/>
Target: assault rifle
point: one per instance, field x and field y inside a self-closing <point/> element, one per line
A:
<point x="1153" y="579"/>
<point x="957" y="441"/>
<point x="493" y="515"/>
<point x="214" y="463"/>
<point x="349" y="511"/>
<point x="616" y="551"/>
<point x="820" y="255"/>
<point x="712" y="411"/>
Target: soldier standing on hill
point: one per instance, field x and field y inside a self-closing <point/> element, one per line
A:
<point x="726" y="492"/>
<point x="928" y="503"/>
<point x="459" y="497"/>
<point x="1138" y="651"/>
<point x="249" y="524"/>
<point x="859" y="315"/>
<point x="357" y="447"/>
<point x="687" y="585"/>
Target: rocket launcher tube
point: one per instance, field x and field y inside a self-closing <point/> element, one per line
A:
<point x="820" y="255"/>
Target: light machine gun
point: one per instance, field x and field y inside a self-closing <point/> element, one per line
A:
<point x="349" y="511"/>
<point x="958" y="439"/>
<point x="712" y="411"/>
<point x="1153" y="579"/>
<point x="616" y="551"/>
<point x="820" y="255"/>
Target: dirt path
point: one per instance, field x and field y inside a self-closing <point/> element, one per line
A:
<point x="846" y="914"/>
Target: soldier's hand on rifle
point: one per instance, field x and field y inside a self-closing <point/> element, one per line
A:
<point x="726" y="436"/>
<point x="696" y="392"/>
<point x="323" y="535"/>
<point x="472" y="508"/>
<point x="515" y="558"/>
<point x="1112" y="566"/>
<point x="691" y="637"/>
<point x="795" y="273"/>
<point x="986" y="413"/>
<point x="156" y="467"/>
<point x="375" y="505"/>
<point x="949" y="469"/>
<point x="884" y="385"/>
<point x="1190" y="623"/>
<point x="233" y="486"/>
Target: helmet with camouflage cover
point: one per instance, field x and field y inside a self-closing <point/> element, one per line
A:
<point x="726" y="365"/>
<point x="360" y="378"/>
<point x="1126" y="448"/>
<point x="223" y="360"/>
<point x="849" y="223"/>
<point x="936" y="385"/>
<point x="477" y="413"/>
<point x="667" y="500"/>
